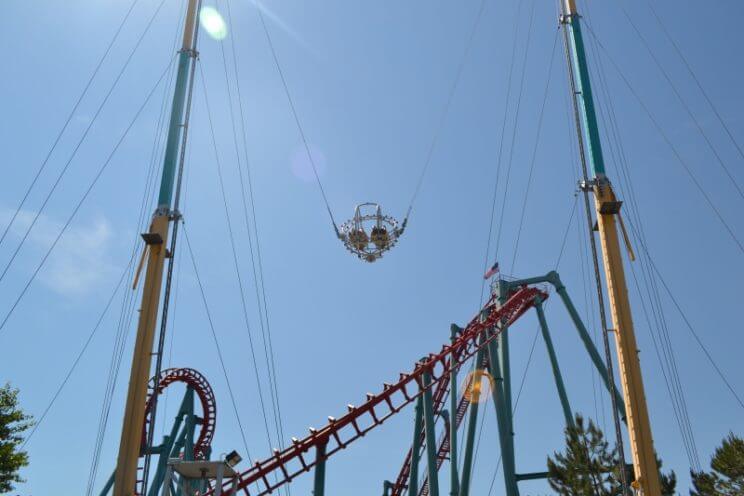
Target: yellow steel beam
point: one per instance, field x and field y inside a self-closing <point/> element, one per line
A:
<point x="639" y="426"/>
<point x="130" y="446"/>
<point x="569" y="7"/>
<point x="134" y="415"/>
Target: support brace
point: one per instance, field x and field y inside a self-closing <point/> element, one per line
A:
<point x="467" y="465"/>
<point x="416" y="449"/>
<point x="505" y="431"/>
<point x="454" y="476"/>
<point x="554" y="363"/>
<point x="319" y="486"/>
<point x="554" y="279"/>
<point x="431" y="439"/>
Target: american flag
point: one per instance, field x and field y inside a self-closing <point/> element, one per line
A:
<point x="492" y="271"/>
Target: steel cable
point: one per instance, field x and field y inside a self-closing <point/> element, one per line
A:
<point x="595" y="260"/>
<point x="534" y="153"/>
<point x="270" y="367"/>
<point x="216" y="343"/>
<point x="70" y="115"/>
<point x="120" y="336"/>
<point x="130" y="298"/>
<point x="514" y="129"/>
<point x="487" y="256"/>
<point x="684" y="104"/>
<point x="80" y="203"/>
<point x="438" y="130"/>
<point x="175" y="213"/>
<point x="259" y="285"/>
<point x="40" y="418"/>
<point x="77" y="146"/>
<point x="294" y="111"/>
<point x="501" y="148"/>
<point x="445" y="111"/>
<point x="236" y="264"/>
<point x="662" y="345"/>
<point x="534" y="341"/>
<point x="689" y="326"/>
<point x="669" y="143"/>
<point x="687" y="64"/>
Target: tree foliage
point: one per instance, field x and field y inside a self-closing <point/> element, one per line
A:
<point x="13" y="422"/>
<point x="668" y="481"/>
<point x="727" y="475"/>
<point x="589" y="466"/>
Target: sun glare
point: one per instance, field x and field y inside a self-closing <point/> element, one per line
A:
<point x="213" y="23"/>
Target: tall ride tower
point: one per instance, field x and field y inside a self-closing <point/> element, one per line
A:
<point x="607" y="211"/>
<point x="164" y="222"/>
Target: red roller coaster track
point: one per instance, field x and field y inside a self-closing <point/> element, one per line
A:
<point x="203" y="391"/>
<point x="287" y="464"/>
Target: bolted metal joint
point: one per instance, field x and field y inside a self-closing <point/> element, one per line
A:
<point x="586" y="185"/>
<point x="567" y="18"/>
<point x="191" y="52"/>
<point x="162" y="210"/>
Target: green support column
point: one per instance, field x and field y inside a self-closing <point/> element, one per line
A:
<point x="177" y="448"/>
<point x="584" y="93"/>
<point x="172" y="445"/>
<point x="175" y="129"/>
<point x="554" y="363"/>
<point x="416" y="448"/>
<point x="504" y="292"/>
<point x="319" y="486"/>
<point x="454" y="476"/>
<point x="505" y="371"/>
<point x="587" y="339"/>
<point x="500" y="366"/>
<point x="554" y="279"/>
<point x="503" y="415"/>
<point x="532" y="476"/>
<point x="503" y="348"/>
<point x="431" y="439"/>
<point x="467" y="464"/>
<point x="185" y="445"/>
<point x="169" y="442"/>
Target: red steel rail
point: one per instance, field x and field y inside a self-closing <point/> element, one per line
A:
<point x="208" y="421"/>
<point x="401" y="482"/>
<point x="296" y="459"/>
<point x="203" y="391"/>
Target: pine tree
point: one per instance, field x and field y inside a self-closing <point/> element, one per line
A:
<point x="668" y="481"/>
<point x="13" y="422"/>
<point x="589" y="467"/>
<point x="727" y="475"/>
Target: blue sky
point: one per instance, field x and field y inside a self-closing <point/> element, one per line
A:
<point x="370" y="81"/>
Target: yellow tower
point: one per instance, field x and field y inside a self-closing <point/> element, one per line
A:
<point x="155" y="253"/>
<point x="607" y="209"/>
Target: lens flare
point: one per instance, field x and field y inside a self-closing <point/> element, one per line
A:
<point x="213" y="23"/>
<point x="302" y="166"/>
<point x="478" y="386"/>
